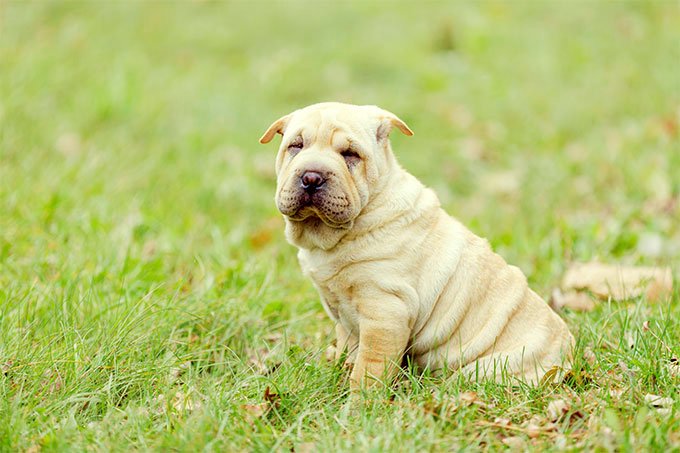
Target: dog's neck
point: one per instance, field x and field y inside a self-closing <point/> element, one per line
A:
<point x="400" y="199"/>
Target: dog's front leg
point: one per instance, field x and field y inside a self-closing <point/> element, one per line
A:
<point x="383" y="336"/>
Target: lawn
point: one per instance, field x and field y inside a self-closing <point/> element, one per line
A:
<point x="149" y="301"/>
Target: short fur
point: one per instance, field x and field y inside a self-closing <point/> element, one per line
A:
<point x="394" y="271"/>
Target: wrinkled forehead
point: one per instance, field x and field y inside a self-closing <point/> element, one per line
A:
<point x="328" y="126"/>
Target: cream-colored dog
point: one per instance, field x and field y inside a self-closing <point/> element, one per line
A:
<point x="394" y="271"/>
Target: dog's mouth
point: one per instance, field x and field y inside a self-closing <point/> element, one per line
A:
<point x="311" y="213"/>
<point x="333" y="210"/>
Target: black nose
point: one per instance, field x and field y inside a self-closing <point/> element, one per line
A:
<point x="311" y="181"/>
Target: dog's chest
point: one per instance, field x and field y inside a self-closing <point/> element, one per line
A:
<point x="332" y="288"/>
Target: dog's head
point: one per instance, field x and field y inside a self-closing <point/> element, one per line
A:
<point x="332" y="158"/>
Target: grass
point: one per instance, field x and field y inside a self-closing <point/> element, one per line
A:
<point x="148" y="300"/>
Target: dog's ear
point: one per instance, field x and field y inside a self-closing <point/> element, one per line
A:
<point x="277" y="127"/>
<point x="387" y="121"/>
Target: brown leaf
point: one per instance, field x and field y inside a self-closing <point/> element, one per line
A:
<point x="674" y="367"/>
<point x="658" y="401"/>
<point x="557" y="409"/>
<point x="271" y="397"/>
<point x="574" y="300"/>
<point x="630" y="339"/>
<point x="5" y="367"/>
<point x="560" y="442"/>
<point x="471" y="398"/>
<point x="589" y="356"/>
<point x="616" y="393"/>
<point x="260" y="361"/>
<point x="619" y="282"/>
<point x="177" y="371"/>
<point x="502" y="421"/>
<point x="329" y="354"/>
<point x="255" y="411"/>
<point x="533" y="427"/>
<point x="52" y="381"/>
<point x="514" y="442"/>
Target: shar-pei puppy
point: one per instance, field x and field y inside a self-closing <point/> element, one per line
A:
<point x="396" y="273"/>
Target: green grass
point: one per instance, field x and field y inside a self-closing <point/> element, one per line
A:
<point x="148" y="299"/>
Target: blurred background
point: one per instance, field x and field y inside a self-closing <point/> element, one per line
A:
<point x="137" y="224"/>
<point x="129" y="130"/>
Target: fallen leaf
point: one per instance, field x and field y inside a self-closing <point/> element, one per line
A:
<point x="329" y="354"/>
<point x="514" y="442"/>
<point x="550" y="427"/>
<point x="5" y="367"/>
<point x="630" y="340"/>
<point x="255" y="411"/>
<point x="502" y="421"/>
<point x="618" y="282"/>
<point x="589" y="356"/>
<point x="271" y="397"/>
<point x="577" y="378"/>
<point x="658" y="401"/>
<point x="470" y="398"/>
<point x="557" y="409"/>
<point x="260" y="360"/>
<point x="437" y="409"/>
<point x="52" y="381"/>
<point x="616" y="393"/>
<point x="631" y="372"/>
<point x="574" y="300"/>
<point x="534" y="427"/>
<point x="176" y="372"/>
<point x="674" y="367"/>
<point x="552" y="375"/>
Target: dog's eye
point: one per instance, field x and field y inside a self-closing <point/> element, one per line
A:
<point x="295" y="147"/>
<point x="351" y="157"/>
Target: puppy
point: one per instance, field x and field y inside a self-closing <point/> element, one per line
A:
<point x="396" y="273"/>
